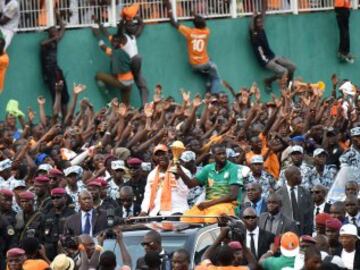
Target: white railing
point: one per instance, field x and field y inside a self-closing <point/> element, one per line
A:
<point x="40" y="14"/>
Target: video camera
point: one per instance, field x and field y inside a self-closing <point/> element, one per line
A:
<point x="237" y="230"/>
<point x="112" y="220"/>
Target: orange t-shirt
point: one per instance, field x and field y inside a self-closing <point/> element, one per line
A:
<point x="197" y="41"/>
<point x="271" y="164"/>
<point x="4" y="63"/>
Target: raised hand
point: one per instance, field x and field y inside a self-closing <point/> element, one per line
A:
<point x="122" y="109"/>
<point x="185" y="96"/>
<point x="334" y="80"/>
<point x="41" y="100"/>
<point x="197" y="101"/>
<point x="78" y="88"/>
<point x="31" y="114"/>
<point x="148" y="110"/>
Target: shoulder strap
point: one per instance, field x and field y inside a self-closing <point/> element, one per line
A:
<point x="34" y="216"/>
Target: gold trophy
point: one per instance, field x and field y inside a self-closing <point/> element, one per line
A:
<point x="177" y="148"/>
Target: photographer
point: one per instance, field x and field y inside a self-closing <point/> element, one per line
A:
<point x="126" y="258"/>
<point x="223" y="255"/>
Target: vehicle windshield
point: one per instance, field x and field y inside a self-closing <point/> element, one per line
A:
<point x="169" y="242"/>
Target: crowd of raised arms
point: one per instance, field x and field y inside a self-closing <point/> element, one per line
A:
<point x="279" y="178"/>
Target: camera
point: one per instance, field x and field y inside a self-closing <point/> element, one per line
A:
<point x="69" y="242"/>
<point x="237" y="231"/>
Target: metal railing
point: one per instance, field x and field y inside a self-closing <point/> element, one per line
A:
<point x="40" y="14"/>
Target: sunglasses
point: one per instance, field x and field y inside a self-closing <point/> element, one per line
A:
<point x="146" y="243"/>
<point x="56" y="197"/>
<point x="250" y="217"/>
<point x="316" y="191"/>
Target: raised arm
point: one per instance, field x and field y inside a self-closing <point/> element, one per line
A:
<point x="140" y="26"/>
<point x="173" y="22"/>
<point x="60" y="34"/>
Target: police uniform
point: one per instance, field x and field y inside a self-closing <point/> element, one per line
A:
<point x="28" y="225"/>
<point x="327" y="178"/>
<point x="351" y="158"/>
<point x="42" y="204"/>
<point x="53" y="224"/>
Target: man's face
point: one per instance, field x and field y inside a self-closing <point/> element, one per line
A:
<point x="179" y="262"/>
<point x="26" y="205"/>
<point x="337" y="212"/>
<point x="220" y="155"/>
<point x="54" y="181"/>
<point x="351" y="207"/>
<point x="256" y="168"/>
<point x="95" y="192"/>
<point x="351" y="189"/>
<point x="11" y="120"/>
<point x="40" y="190"/>
<point x="273" y="206"/>
<point x="72" y="179"/>
<point x="58" y="201"/>
<point x="320" y="229"/>
<point x="297" y="158"/>
<point x="294" y="178"/>
<point x="318" y="195"/>
<point x="313" y="263"/>
<point x="126" y="199"/>
<point x="119" y="174"/>
<point x="348" y="242"/>
<point x="149" y="244"/>
<point x="5" y="203"/>
<point x="15" y="263"/>
<point x="161" y="158"/>
<point x="86" y="202"/>
<point x="320" y="159"/>
<point x="253" y="193"/>
<point x="332" y="235"/>
<point x="89" y="246"/>
<point x="250" y="219"/>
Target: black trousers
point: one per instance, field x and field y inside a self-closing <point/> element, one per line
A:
<point x="342" y="17"/>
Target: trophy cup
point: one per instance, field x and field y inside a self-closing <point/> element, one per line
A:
<point x="177" y="148"/>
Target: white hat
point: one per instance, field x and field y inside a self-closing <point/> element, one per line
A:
<point x="319" y="151"/>
<point x="230" y="153"/>
<point x="349" y="229"/>
<point x="5" y="164"/>
<point x="257" y="159"/>
<point x="347" y="88"/>
<point x="289" y="244"/>
<point x="188" y="156"/>
<point x="18" y="183"/>
<point x="296" y="148"/>
<point x="62" y="262"/>
<point x="73" y="169"/>
<point x="45" y="167"/>
<point x="118" y="164"/>
<point x="355" y="131"/>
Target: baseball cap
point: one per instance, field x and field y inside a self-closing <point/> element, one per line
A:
<point x="118" y="165"/>
<point x="73" y="169"/>
<point x="296" y="148"/>
<point x="355" y="131"/>
<point x="45" y="167"/>
<point x="257" y="159"/>
<point x="349" y="229"/>
<point x="161" y="147"/>
<point x="230" y="153"/>
<point x="319" y="151"/>
<point x="188" y="156"/>
<point x="289" y="244"/>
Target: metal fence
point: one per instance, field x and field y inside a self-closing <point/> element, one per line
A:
<point x="40" y="14"/>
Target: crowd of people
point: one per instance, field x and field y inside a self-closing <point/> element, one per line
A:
<point x="279" y="177"/>
<point x="270" y="165"/>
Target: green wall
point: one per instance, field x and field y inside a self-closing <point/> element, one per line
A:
<point x="310" y="40"/>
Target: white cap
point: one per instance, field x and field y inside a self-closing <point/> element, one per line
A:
<point x="347" y="88"/>
<point x="355" y="131"/>
<point x="5" y="164"/>
<point x="118" y="164"/>
<point x="188" y="156"/>
<point x="296" y="148"/>
<point x="45" y="167"/>
<point x="18" y="183"/>
<point x="230" y="153"/>
<point x="349" y="229"/>
<point x="73" y="169"/>
<point x="319" y="151"/>
<point x="257" y="159"/>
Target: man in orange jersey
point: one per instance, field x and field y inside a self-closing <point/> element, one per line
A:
<point x="197" y="40"/>
<point x="342" y="10"/>
<point x="4" y="63"/>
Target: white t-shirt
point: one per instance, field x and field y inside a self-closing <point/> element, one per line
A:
<point x="12" y="11"/>
<point x="130" y="47"/>
<point x="348" y="259"/>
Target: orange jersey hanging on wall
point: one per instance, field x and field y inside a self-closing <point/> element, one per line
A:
<point x="197" y="41"/>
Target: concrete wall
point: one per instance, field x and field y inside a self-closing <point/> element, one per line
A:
<point x="310" y="40"/>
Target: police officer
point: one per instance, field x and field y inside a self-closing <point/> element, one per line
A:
<point x="6" y="211"/>
<point x="28" y="221"/>
<point x="351" y="157"/>
<point x="57" y="179"/>
<point x="95" y="188"/>
<point x="54" y="221"/>
<point x="137" y="179"/>
<point x="41" y="189"/>
<point x="7" y="234"/>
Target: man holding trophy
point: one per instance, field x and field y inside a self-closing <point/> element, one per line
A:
<point x="165" y="192"/>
